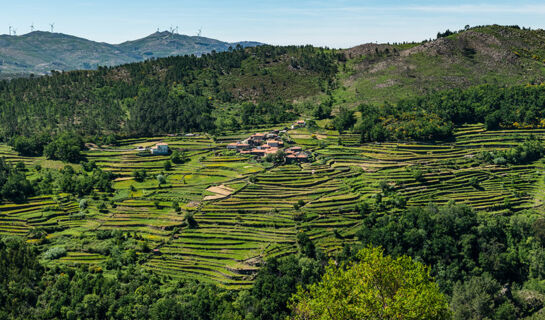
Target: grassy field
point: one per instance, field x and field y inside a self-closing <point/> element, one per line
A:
<point x="246" y="210"/>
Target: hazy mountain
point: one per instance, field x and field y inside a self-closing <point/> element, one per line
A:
<point x="164" y="44"/>
<point x="40" y="52"/>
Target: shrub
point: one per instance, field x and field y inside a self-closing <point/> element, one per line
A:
<point x="344" y="120"/>
<point x="66" y="147"/>
<point x="83" y="204"/>
<point x="418" y="175"/>
<point x="30" y="146"/>
<point x="102" y="207"/>
<point x="16" y="187"/>
<point x="139" y="175"/>
<point x="363" y="208"/>
<point x="178" y="157"/>
<point x="474" y="182"/>
<point x="500" y="161"/>
<point x="55" y="253"/>
<point x="190" y="220"/>
<point x="176" y="207"/>
<point x="89" y="165"/>
<point x="161" y="179"/>
<point x="144" y="246"/>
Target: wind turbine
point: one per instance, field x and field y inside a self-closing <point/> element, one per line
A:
<point x="199" y="33"/>
<point x="176" y="29"/>
<point x="52" y="25"/>
<point x="32" y="27"/>
<point x="10" y="27"/>
<point x="14" y="31"/>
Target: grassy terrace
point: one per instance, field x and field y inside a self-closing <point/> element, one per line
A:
<point x="447" y="170"/>
<point x="247" y="211"/>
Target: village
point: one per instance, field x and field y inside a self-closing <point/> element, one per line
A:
<point x="258" y="144"/>
<point x="263" y="144"/>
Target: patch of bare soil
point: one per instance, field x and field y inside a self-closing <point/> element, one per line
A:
<point x="220" y="192"/>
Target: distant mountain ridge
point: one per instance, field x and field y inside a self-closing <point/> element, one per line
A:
<point x="40" y="52"/>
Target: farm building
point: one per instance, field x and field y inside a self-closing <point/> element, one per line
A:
<point x="160" y="149"/>
<point x="238" y="146"/>
<point x="258" y="137"/>
<point x="297" y="157"/>
<point x="294" y="149"/>
<point x="299" y="124"/>
<point x="272" y="150"/>
<point x="274" y="143"/>
<point x="258" y="152"/>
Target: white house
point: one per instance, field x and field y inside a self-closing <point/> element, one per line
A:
<point x="159" y="149"/>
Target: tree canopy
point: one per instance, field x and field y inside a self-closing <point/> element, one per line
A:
<point x="374" y="287"/>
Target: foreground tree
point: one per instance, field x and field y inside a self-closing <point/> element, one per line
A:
<point x="375" y="287"/>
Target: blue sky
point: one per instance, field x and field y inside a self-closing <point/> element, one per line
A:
<point x="332" y="23"/>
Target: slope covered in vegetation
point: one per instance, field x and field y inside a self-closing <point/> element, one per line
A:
<point x="496" y="55"/>
<point x="183" y="94"/>
<point x="178" y="94"/>
<point x="451" y="178"/>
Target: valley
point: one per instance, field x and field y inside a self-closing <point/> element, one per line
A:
<point x="234" y="234"/>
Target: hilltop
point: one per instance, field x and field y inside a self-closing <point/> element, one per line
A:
<point x="497" y="55"/>
<point x="40" y="52"/>
<point x="165" y="44"/>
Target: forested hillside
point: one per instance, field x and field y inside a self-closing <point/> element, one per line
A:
<point x="170" y="95"/>
<point x="189" y="93"/>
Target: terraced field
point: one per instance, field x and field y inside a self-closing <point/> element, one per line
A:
<point x="447" y="170"/>
<point x="246" y="211"/>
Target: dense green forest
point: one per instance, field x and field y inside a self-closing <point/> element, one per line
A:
<point x="242" y="88"/>
<point x="434" y="116"/>
<point x="168" y="95"/>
